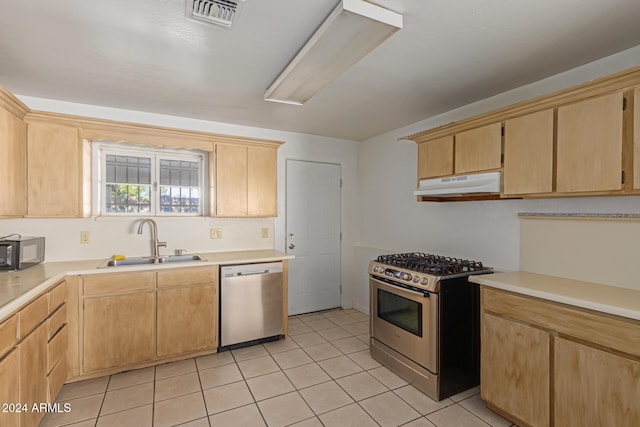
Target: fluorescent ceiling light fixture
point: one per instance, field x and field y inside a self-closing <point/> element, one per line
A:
<point x="352" y="30"/>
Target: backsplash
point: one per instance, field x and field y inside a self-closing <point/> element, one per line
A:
<point x="109" y="236"/>
<point x="599" y="248"/>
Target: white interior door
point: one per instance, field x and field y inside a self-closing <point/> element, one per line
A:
<point x="313" y="235"/>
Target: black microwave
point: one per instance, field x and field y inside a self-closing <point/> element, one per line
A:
<point x="19" y="252"/>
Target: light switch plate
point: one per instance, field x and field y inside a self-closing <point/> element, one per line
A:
<point x="265" y="233"/>
<point x="85" y="237"/>
<point x="216" y="233"/>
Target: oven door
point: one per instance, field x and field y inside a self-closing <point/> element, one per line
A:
<point x="406" y="321"/>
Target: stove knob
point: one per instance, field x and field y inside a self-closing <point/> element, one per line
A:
<point x="416" y="279"/>
<point x="406" y="276"/>
<point x="375" y="268"/>
<point x="425" y="281"/>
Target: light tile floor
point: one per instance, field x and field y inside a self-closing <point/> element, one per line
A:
<point x="320" y="375"/>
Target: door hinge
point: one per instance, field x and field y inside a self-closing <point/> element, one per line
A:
<point x="623" y="177"/>
<point x="624" y="103"/>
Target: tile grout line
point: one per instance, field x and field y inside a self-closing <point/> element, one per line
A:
<point x="475" y="415"/>
<point x="206" y="409"/>
<point x="153" y="398"/>
<point x="104" y="397"/>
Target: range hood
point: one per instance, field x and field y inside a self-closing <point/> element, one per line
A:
<point x="481" y="183"/>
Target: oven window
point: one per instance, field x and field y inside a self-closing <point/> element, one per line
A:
<point x="402" y="312"/>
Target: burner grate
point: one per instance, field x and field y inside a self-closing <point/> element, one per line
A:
<point x="431" y="264"/>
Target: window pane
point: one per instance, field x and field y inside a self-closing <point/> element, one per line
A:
<point x="121" y="173"/>
<point x="185" y="177"/>
<point x="175" y="177"/>
<point x="111" y="172"/>
<point x="132" y="175"/>
<point x="128" y="182"/>
<point x="145" y="175"/>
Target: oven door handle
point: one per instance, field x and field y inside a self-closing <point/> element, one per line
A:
<point x="424" y="294"/>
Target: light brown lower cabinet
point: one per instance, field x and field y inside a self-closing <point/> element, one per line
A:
<point x="119" y="330"/>
<point x="515" y="369"/>
<point x="126" y="321"/>
<point x="33" y="375"/>
<point x="594" y="387"/>
<point x="187" y="320"/>
<point x="550" y="364"/>
<point x="9" y="390"/>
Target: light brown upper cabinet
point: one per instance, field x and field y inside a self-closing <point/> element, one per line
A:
<point x="13" y="161"/>
<point x="246" y="181"/>
<point x="57" y="163"/>
<point x="528" y="154"/>
<point x="589" y="146"/>
<point x="435" y="158"/>
<point x="478" y="149"/>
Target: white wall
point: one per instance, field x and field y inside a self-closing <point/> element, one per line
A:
<point x="487" y="231"/>
<point x="118" y="235"/>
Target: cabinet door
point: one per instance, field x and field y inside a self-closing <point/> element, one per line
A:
<point x="13" y="164"/>
<point x="231" y="180"/>
<point x="33" y="374"/>
<point x="54" y="171"/>
<point x="435" y="158"/>
<point x="478" y="149"/>
<point x="636" y="138"/>
<point x="594" y="388"/>
<point x="262" y="192"/>
<point x="528" y="154"/>
<point x="187" y="320"/>
<point x="590" y="145"/>
<point x="9" y="390"/>
<point x="515" y="373"/>
<point x="118" y="330"/>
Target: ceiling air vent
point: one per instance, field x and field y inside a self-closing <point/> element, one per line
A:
<point x="218" y="12"/>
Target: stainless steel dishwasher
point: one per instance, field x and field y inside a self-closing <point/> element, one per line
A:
<point x="250" y="302"/>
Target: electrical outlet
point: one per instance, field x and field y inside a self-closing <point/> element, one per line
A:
<point x="265" y="233"/>
<point x="215" y="233"/>
<point x="85" y="237"/>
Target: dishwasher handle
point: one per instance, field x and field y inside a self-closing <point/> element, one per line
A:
<point x="240" y="270"/>
<point x="247" y="273"/>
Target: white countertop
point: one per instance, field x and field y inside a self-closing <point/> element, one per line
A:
<point x="19" y="287"/>
<point x="606" y="299"/>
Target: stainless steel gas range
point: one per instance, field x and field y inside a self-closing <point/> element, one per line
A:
<point x="425" y="320"/>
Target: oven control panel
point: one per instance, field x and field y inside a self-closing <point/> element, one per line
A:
<point x="403" y="276"/>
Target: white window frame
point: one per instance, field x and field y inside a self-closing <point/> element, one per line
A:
<point x="103" y="148"/>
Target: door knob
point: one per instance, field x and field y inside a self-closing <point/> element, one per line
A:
<point x="292" y="246"/>
<point x="291" y="236"/>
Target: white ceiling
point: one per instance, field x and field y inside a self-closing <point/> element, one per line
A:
<point x="146" y="55"/>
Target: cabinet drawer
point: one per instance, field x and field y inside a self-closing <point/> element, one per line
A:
<point x="56" y="379"/>
<point x="57" y="348"/>
<point x="8" y="335"/>
<point x="187" y="276"/>
<point x="33" y="314"/>
<point x="55" y="321"/>
<point x="57" y="296"/>
<point x="104" y="284"/>
<point x="617" y="333"/>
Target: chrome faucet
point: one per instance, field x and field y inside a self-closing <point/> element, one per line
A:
<point x="155" y="248"/>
